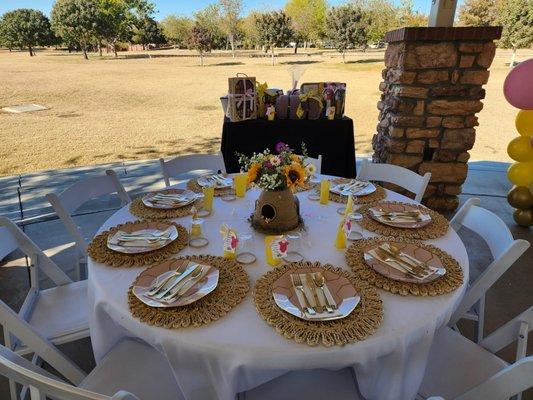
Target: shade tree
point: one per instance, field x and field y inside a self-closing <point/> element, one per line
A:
<point x="25" y="28"/>
<point x="347" y="28"/>
<point x="274" y="30"/>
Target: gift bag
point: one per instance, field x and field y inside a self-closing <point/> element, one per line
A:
<point x="242" y="98"/>
<point x="334" y="95"/>
<point x="311" y="101"/>
<point x="266" y="97"/>
<point x="282" y="106"/>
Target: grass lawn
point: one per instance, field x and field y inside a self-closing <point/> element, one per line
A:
<point x="108" y="109"/>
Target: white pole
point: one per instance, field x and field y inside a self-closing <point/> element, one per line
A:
<point x="442" y="12"/>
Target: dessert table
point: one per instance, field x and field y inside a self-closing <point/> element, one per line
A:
<point x="241" y="351"/>
<point x="333" y="139"/>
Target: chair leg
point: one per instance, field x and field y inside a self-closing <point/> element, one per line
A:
<point x="480" y="324"/>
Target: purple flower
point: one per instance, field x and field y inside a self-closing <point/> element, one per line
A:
<point x="281" y="147"/>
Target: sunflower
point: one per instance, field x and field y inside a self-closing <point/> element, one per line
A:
<point x="296" y="158"/>
<point x="253" y="172"/>
<point x="295" y="175"/>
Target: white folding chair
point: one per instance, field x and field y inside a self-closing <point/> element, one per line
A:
<point x="178" y="167"/>
<point x="73" y="197"/>
<point x="407" y="179"/>
<point x="460" y="369"/>
<point x="317" y="162"/>
<point x="130" y="371"/>
<point x="505" y="251"/>
<point x="57" y="315"/>
<point x="316" y="384"/>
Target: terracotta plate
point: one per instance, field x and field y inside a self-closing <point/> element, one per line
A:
<point x="142" y="227"/>
<point x="338" y="186"/>
<point x="153" y="275"/>
<point x="412" y="250"/>
<point x="188" y="194"/>
<point x="399" y="222"/>
<point x="341" y="290"/>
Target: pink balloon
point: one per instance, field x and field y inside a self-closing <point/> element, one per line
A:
<point x="518" y="86"/>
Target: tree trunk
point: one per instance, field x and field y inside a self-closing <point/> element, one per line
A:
<point x="100" y="48"/>
<point x="115" y="49"/>
<point x="272" y="47"/>
<point x="513" y="57"/>
<point x="31" y="51"/>
<point x="295" y="47"/>
<point x="232" y="42"/>
<point x="344" y="57"/>
<point x="202" y="58"/>
<point x="84" y="49"/>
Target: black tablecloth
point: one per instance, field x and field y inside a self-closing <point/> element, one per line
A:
<point x="334" y="140"/>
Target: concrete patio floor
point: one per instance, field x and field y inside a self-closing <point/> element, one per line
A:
<point x="23" y="196"/>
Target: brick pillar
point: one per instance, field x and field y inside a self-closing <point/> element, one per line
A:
<point x="432" y="90"/>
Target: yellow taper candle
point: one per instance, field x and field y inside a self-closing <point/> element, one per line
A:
<point x="324" y="191"/>
<point x="340" y="239"/>
<point x="349" y="206"/>
<point x="209" y="192"/>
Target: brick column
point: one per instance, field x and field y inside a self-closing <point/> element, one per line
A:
<point x="432" y="90"/>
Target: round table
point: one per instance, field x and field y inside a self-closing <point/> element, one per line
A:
<point x="240" y="351"/>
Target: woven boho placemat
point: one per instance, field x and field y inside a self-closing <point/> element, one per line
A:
<point x="232" y="288"/>
<point x="99" y="251"/>
<point x="362" y="322"/>
<point x="378" y="195"/>
<point x="435" y="229"/>
<point x="445" y="284"/>
<point x="192" y="184"/>
<point x="139" y="209"/>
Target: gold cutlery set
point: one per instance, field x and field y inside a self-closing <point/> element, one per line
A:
<point x="217" y="180"/>
<point x="313" y="293"/>
<point x="352" y="187"/>
<point x="141" y="239"/>
<point x="177" y="284"/>
<point x="392" y="256"/>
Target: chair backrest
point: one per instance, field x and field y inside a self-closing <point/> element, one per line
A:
<point x="504" y="249"/>
<point x="7" y="244"/>
<point x="317" y="162"/>
<point x="43" y="383"/>
<point x="73" y="197"/>
<point x="417" y="184"/>
<point x="510" y="381"/>
<point x="16" y="328"/>
<point x="191" y="162"/>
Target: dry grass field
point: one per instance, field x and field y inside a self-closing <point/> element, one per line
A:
<point x="107" y="109"/>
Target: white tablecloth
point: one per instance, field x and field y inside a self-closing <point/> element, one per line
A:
<point x="240" y="351"/>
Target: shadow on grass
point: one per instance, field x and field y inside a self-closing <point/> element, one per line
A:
<point x="299" y="62"/>
<point x="365" y="61"/>
<point x="225" y="64"/>
<point x="206" y="108"/>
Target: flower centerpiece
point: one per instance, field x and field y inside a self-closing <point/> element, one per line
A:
<point x="279" y="176"/>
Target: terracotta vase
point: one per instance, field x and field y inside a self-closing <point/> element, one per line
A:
<point x="276" y="211"/>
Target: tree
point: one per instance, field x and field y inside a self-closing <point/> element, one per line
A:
<point x="516" y="17"/>
<point x="231" y="10"/>
<point x="383" y="17"/>
<point x="76" y="21"/>
<point x="116" y="21"/>
<point x="201" y="40"/>
<point x="177" y="29"/>
<point x="347" y="28"/>
<point x="274" y="29"/>
<point x="210" y="19"/>
<point x="478" y="13"/>
<point x="248" y="28"/>
<point x="308" y="19"/>
<point x="409" y="17"/>
<point x="25" y="28"/>
<point x="148" y="31"/>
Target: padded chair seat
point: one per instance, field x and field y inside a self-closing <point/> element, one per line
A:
<point x="456" y="364"/>
<point x="319" y="384"/>
<point x="137" y="368"/>
<point x="61" y="311"/>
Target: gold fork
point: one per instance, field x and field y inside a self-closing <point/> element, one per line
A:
<point x="298" y="284"/>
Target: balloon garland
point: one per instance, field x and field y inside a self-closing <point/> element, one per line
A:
<point x="518" y="90"/>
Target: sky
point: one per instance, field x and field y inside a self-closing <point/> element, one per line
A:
<point x="187" y="7"/>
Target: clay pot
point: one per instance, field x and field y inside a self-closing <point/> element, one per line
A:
<point x="277" y="211"/>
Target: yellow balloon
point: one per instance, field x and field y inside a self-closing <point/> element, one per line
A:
<point x="521" y="148"/>
<point x="524" y="122"/>
<point x="521" y="173"/>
